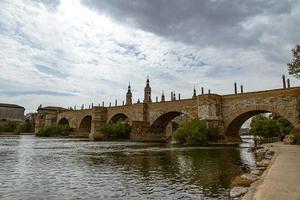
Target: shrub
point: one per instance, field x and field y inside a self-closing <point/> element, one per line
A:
<point x="195" y="132"/>
<point x="118" y="130"/>
<point x="24" y="127"/>
<point x="296" y="133"/>
<point x="54" y="131"/>
<point x="289" y="139"/>
<point x="8" y="126"/>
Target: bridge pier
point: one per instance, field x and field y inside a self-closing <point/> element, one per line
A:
<point x="99" y="116"/>
<point x="140" y="131"/>
<point x="210" y="110"/>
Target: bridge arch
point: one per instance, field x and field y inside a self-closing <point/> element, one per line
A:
<point x="160" y="123"/>
<point x="85" y="125"/>
<point x="120" y="116"/>
<point x="63" y="121"/>
<point x="234" y="124"/>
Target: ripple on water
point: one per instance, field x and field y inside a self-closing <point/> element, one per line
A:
<point x="36" y="168"/>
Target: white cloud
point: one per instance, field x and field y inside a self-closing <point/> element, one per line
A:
<point x="90" y="57"/>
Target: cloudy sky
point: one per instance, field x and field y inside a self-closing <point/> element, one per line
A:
<point x="72" y="52"/>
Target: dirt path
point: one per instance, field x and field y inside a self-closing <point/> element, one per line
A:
<point x="282" y="179"/>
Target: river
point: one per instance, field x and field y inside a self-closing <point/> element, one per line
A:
<point x="55" y="168"/>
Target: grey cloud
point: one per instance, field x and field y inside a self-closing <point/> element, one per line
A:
<point x="224" y="71"/>
<point x="50" y="71"/>
<point x="201" y="22"/>
<point x="39" y="92"/>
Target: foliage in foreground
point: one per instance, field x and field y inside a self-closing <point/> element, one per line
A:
<point x="25" y="127"/>
<point x="271" y="126"/>
<point x="293" y="137"/>
<point x="54" y="131"/>
<point x="14" y="127"/>
<point x="8" y="127"/>
<point x="117" y="130"/>
<point x="296" y="133"/>
<point x="195" y="132"/>
<point x="294" y="66"/>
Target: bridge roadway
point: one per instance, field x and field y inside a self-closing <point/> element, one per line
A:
<point x="149" y="120"/>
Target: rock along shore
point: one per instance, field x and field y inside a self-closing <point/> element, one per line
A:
<point x="277" y="176"/>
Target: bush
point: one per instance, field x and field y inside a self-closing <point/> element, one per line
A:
<point x="24" y="128"/>
<point x="296" y="133"/>
<point x="195" y="132"/>
<point x="293" y="137"/>
<point x="8" y="126"/>
<point x="54" y="131"/>
<point x="118" y="130"/>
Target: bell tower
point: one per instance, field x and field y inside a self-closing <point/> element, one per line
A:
<point x="129" y="95"/>
<point x="147" y="92"/>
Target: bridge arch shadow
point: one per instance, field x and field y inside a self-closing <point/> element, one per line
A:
<point x="119" y="117"/>
<point x="232" y="130"/>
<point x="63" y="121"/>
<point x="85" y="125"/>
<point x="159" y="126"/>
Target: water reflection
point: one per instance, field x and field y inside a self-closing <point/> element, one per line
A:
<point x="34" y="168"/>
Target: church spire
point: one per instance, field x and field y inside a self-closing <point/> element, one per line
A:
<point x="147" y="92"/>
<point x="129" y="87"/>
<point x="129" y="95"/>
<point x="147" y="82"/>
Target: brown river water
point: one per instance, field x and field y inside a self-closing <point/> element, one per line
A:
<point x="54" y="168"/>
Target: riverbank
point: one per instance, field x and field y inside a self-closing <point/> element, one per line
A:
<point x="12" y="134"/>
<point x="281" y="179"/>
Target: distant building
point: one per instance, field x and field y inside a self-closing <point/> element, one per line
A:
<point x="11" y="112"/>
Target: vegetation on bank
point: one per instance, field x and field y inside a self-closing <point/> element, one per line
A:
<point x="15" y="127"/>
<point x="117" y="130"/>
<point x="270" y="126"/>
<point x="54" y="131"/>
<point x="196" y="132"/>
<point x="296" y="133"/>
<point x="293" y="137"/>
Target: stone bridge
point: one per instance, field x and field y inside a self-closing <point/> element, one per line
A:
<point x="149" y="120"/>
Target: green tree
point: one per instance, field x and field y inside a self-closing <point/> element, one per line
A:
<point x="270" y="126"/>
<point x="285" y="126"/>
<point x="117" y="130"/>
<point x="294" y="66"/>
<point x="54" y="131"/>
<point x="195" y="132"/>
